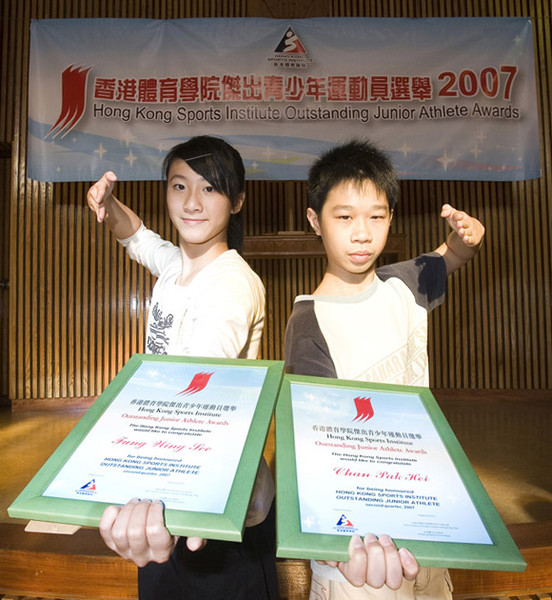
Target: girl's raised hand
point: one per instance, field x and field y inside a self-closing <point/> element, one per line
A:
<point x="100" y="194"/>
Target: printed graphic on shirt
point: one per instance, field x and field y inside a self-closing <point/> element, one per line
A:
<point x="406" y="366"/>
<point x="160" y="325"/>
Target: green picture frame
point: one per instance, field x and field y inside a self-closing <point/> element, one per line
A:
<point x="32" y="503"/>
<point x="501" y="554"/>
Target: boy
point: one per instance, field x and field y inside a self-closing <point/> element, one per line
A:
<point x="370" y="325"/>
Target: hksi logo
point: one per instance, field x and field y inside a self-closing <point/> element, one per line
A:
<point x="290" y="43"/>
<point x="73" y="101"/>
<point x="364" y="409"/>
<point x="198" y="383"/>
<point x="344" y="522"/>
<point x="88" y="489"/>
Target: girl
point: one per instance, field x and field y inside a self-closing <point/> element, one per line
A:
<point x="206" y="302"/>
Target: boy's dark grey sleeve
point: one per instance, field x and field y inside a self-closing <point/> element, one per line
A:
<point x="425" y="276"/>
<point x="306" y="350"/>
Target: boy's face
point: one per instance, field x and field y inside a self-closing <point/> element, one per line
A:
<point x="353" y="224"/>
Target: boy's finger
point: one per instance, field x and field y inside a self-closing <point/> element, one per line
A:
<point x="355" y="568"/>
<point x="376" y="570"/>
<point x="394" y="570"/>
<point x="446" y="210"/>
<point x="409" y="564"/>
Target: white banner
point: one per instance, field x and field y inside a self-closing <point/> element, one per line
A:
<point x="450" y="98"/>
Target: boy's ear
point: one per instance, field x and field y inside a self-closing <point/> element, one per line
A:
<point x="313" y="220"/>
<point x="239" y="204"/>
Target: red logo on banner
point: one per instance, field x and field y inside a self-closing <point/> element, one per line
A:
<point x="73" y="101"/>
<point x="364" y="409"/>
<point x="198" y="383"/>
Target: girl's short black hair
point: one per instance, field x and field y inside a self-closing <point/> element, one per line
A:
<point x="356" y="161"/>
<point x="222" y="166"/>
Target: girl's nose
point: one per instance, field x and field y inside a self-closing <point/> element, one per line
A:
<point x="192" y="202"/>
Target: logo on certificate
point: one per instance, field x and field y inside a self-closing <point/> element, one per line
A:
<point x="364" y="409"/>
<point x="344" y="525"/>
<point x="88" y="489"/>
<point x="198" y="383"/>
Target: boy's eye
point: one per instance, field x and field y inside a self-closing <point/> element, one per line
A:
<point x="344" y="217"/>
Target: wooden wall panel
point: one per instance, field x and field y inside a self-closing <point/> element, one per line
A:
<point x="77" y="305"/>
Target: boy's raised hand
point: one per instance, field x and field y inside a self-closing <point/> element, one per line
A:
<point x="100" y="194"/>
<point x="377" y="562"/>
<point x="464" y="240"/>
<point x="468" y="228"/>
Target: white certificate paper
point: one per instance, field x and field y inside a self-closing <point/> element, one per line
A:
<point x="375" y="463"/>
<point x="175" y="433"/>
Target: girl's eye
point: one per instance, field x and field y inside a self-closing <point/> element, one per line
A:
<point x="179" y="186"/>
<point x="209" y="189"/>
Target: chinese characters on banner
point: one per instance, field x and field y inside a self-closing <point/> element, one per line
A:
<point x="446" y="98"/>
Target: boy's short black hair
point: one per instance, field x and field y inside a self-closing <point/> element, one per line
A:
<point x="222" y="166"/>
<point x="356" y="161"/>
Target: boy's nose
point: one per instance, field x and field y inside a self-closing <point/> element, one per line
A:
<point x="362" y="233"/>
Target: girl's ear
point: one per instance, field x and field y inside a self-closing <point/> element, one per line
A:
<point x="313" y="220"/>
<point x="239" y="204"/>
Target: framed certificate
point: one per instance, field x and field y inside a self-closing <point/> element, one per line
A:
<point x="187" y="431"/>
<point x="353" y="457"/>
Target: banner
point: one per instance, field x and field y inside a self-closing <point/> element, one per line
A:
<point x="451" y="98"/>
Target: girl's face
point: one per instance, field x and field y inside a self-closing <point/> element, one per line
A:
<point x="199" y="213"/>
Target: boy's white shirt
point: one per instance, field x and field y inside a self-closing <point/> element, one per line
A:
<point x="395" y="352"/>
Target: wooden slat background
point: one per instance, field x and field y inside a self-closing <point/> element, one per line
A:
<point x="77" y="305"/>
